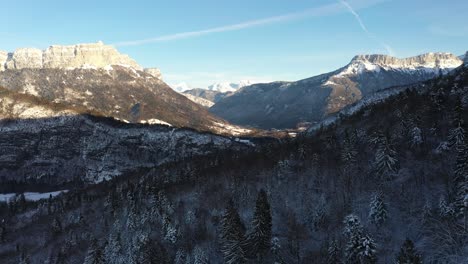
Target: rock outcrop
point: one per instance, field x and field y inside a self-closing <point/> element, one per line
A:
<point x="429" y="60"/>
<point x="90" y="55"/>
<point x="155" y="72"/>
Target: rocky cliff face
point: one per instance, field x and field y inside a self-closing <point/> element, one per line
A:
<point x="285" y="104"/>
<point x="88" y="55"/>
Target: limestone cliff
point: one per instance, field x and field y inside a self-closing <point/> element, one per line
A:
<point x="90" y="55"/>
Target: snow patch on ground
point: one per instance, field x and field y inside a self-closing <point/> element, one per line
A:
<point x="154" y="121"/>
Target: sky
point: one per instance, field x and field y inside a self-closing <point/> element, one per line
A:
<point x="207" y="41"/>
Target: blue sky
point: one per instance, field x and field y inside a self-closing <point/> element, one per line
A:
<point x="206" y="41"/>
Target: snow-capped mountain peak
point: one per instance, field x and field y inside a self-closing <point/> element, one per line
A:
<point x="181" y="87"/>
<point x="229" y="87"/>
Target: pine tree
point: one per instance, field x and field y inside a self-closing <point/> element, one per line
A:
<point x="367" y="250"/>
<point x="378" y="210"/>
<point x="352" y="225"/>
<point x="416" y="137"/>
<point x="460" y="181"/>
<point x="258" y="241"/>
<point x="56" y="226"/>
<point x="333" y="253"/>
<point x="152" y="252"/>
<point x="276" y="250"/>
<point x="445" y="210"/>
<point x="349" y="152"/>
<point x="113" y="249"/>
<point x="95" y="254"/>
<point x="232" y="236"/>
<point x="2" y="234"/>
<point x="24" y="258"/>
<point x="408" y="254"/>
<point x="200" y="256"/>
<point x="457" y="133"/>
<point x="360" y="247"/>
<point x="386" y="160"/>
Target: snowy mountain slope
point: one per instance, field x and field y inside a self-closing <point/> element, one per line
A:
<point x="199" y="100"/>
<point x="92" y="149"/>
<point x="213" y="96"/>
<point x="224" y="87"/>
<point x="91" y="80"/>
<point x="285" y="104"/>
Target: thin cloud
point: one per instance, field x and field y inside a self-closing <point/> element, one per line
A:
<point x="313" y="12"/>
<point x="364" y="28"/>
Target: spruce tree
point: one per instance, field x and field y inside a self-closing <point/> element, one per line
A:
<point x="232" y="236"/>
<point x="258" y="241"/>
<point x="200" y="256"/>
<point x="457" y="133"/>
<point x="386" y="160"/>
<point x="378" y="210"/>
<point x="333" y="253"/>
<point x="151" y="252"/>
<point x="349" y="152"/>
<point x="360" y="247"/>
<point x="95" y="254"/>
<point x="461" y="181"/>
<point x="408" y="254"/>
<point x="445" y="210"/>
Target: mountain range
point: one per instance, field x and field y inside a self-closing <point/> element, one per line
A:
<point x="286" y="104"/>
<point x="99" y="79"/>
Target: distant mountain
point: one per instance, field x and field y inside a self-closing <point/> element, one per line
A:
<point x="285" y="104"/>
<point x="97" y="77"/>
<point x="181" y="87"/>
<point x="224" y="87"/>
<point x="199" y="100"/>
<point x="212" y="96"/>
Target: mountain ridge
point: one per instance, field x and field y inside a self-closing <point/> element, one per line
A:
<point x="285" y="104"/>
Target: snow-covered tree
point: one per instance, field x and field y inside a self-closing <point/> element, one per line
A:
<point x="360" y="247"/>
<point x="333" y="253"/>
<point x="457" y="133"/>
<point x="348" y="151"/>
<point x="386" y="160"/>
<point x="378" y="210"/>
<point x="232" y="236"/>
<point x="276" y="250"/>
<point x="199" y="256"/>
<point x="180" y="257"/>
<point x="461" y="180"/>
<point x="408" y="254"/>
<point x="445" y="209"/>
<point x="95" y="254"/>
<point x="258" y="241"/>
<point x="416" y="137"/>
<point x="352" y="225"/>
<point x="113" y="250"/>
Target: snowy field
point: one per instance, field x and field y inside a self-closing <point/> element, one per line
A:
<point x="31" y="196"/>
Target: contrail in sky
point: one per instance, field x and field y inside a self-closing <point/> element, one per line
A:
<point x="364" y="28"/>
<point x="325" y="10"/>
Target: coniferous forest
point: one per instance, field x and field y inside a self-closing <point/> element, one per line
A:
<point x="387" y="183"/>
